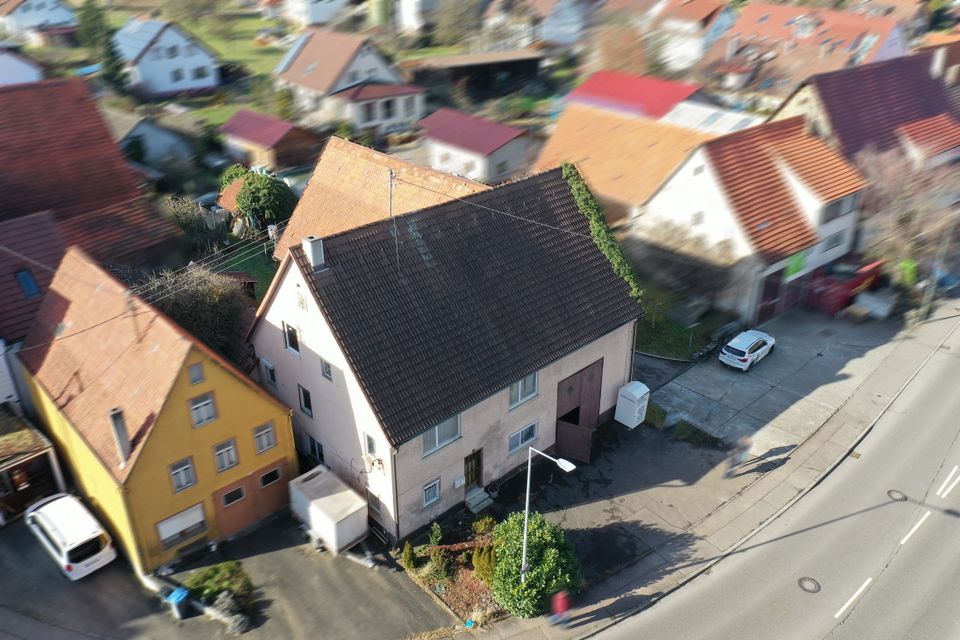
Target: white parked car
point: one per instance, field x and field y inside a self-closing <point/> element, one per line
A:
<point x="70" y="534"/>
<point x="747" y="349"/>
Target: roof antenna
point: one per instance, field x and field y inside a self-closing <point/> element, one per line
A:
<point x="396" y="238"/>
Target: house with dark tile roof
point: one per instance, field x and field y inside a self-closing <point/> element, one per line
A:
<point x="258" y="139"/>
<point x="765" y="206"/>
<point x="161" y="58"/>
<point x="474" y="147"/>
<point x="143" y="134"/>
<point x="342" y="76"/>
<point x="58" y="155"/>
<point x="895" y="104"/>
<point x="171" y="444"/>
<point x="426" y="352"/>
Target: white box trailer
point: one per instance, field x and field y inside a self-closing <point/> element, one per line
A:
<point x="332" y="512"/>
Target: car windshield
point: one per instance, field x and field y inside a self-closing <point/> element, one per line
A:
<point x="734" y="351"/>
<point x="86" y="550"/>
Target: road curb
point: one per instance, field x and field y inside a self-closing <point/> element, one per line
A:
<point x="830" y="468"/>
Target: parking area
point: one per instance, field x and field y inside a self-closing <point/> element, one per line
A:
<point x="818" y="363"/>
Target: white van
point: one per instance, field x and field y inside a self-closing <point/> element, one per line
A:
<point x="70" y="534"/>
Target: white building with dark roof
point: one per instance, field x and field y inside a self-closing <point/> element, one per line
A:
<point x="163" y="59"/>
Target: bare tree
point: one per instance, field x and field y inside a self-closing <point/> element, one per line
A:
<point x="907" y="207"/>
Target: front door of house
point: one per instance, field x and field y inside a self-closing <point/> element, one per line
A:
<point x="473" y="470"/>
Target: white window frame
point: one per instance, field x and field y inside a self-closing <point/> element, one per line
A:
<point x="228" y="450"/>
<point x="184" y="467"/>
<point x="286" y="338"/>
<point x="435" y="430"/>
<point x="189" y="526"/>
<point x="519" y="386"/>
<point x="269" y="369"/>
<point x="195" y="377"/>
<point x="200" y="401"/>
<point x="369" y="445"/>
<point x="521" y="443"/>
<point x="431" y="485"/>
<point x="326" y="370"/>
<point x="265" y="433"/>
<point x="300" y="391"/>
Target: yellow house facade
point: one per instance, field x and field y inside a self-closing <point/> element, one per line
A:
<point x="170" y="444"/>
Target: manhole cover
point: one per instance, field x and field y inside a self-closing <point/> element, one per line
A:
<point x="809" y="585"/>
<point x="897" y="496"/>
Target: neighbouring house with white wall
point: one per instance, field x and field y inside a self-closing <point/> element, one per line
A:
<point x="771" y="204"/>
<point x="343" y="77"/>
<point x="161" y="58"/>
<point x="306" y="13"/>
<point x="153" y="144"/>
<point x="474" y="147"/>
<point x="687" y="28"/>
<point x="521" y="24"/>
<point x="421" y="369"/>
<point x="15" y="69"/>
<point x="412" y="16"/>
<point x="26" y="18"/>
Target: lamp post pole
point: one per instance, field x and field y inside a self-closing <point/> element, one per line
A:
<point x="566" y="466"/>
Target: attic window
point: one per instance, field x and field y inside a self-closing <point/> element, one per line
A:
<point x="28" y="284"/>
<point x="763" y="225"/>
<point x="310" y="68"/>
<point x="763" y="18"/>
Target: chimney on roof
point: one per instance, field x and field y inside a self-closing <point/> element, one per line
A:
<point x="313" y="248"/>
<point x="120" y="435"/>
<point x="733" y="45"/>
<point x="938" y="61"/>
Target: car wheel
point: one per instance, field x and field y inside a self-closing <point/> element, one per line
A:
<point x="772" y="347"/>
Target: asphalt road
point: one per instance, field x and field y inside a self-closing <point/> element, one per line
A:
<point x="878" y="537"/>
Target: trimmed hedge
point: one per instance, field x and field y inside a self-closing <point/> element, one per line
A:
<point x="600" y="230"/>
<point x="656" y="416"/>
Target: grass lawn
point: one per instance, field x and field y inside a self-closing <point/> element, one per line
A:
<point x="429" y="52"/>
<point x="208" y="110"/>
<point x="658" y="335"/>
<point x="262" y="267"/>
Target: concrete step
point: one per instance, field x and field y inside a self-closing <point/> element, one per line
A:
<point x="478" y="500"/>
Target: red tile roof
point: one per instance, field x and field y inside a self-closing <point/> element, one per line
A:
<point x="322" y="59"/>
<point x="374" y="90"/>
<point x="642" y="95"/>
<point x="259" y="128"/>
<point x="8" y="6"/>
<point x="933" y="135"/>
<point x="866" y="105"/>
<point x="95" y="346"/>
<point x="750" y="167"/>
<point x="692" y="10"/>
<point x="228" y="197"/>
<point x="467" y="131"/>
<point x="38" y="238"/>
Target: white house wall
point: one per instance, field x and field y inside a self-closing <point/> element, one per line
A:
<point x="154" y="70"/>
<point x="16" y="70"/>
<point x="28" y="16"/>
<point x="565" y="23"/>
<point x="366" y="65"/>
<point x="159" y="144"/>
<point x="470" y="164"/>
<point x="404" y="116"/>
<point x="489" y="424"/>
<point x="312" y="12"/>
<point x="341" y="412"/>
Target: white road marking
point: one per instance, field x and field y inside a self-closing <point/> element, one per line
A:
<point x="915" y="527"/>
<point x="947" y="481"/>
<point x="853" y="597"/>
<point x="950" y="488"/>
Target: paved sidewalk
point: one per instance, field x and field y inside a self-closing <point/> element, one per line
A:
<point x="693" y="550"/>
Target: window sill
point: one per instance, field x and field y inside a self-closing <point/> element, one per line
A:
<point x="427" y="506"/>
<point x="295" y="354"/>
<point x="522" y="402"/>
<point x="443" y="446"/>
<point x="522" y="447"/>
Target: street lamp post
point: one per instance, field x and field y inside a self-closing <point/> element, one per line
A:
<point x="565" y="465"/>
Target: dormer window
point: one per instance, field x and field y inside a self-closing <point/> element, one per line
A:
<point x="28" y="284"/>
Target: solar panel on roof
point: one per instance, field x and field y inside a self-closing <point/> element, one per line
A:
<point x="292" y="53"/>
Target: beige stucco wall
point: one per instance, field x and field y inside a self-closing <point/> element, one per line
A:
<point x="806" y="102"/>
<point x="489" y="424"/>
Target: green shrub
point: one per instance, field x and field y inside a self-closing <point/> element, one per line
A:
<point x="207" y="583"/>
<point x="551" y="557"/>
<point x="484" y="525"/>
<point x="231" y="173"/>
<point x="436" y="533"/>
<point x="439" y="570"/>
<point x="484" y="562"/>
<point x="599" y="229"/>
<point x="656" y="416"/>
<point x="407" y="559"/>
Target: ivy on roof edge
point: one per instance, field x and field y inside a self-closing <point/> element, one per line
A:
<point x="599" y="229"/>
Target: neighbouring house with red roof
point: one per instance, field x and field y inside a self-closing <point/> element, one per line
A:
<point x="37" y="21"/>
<point x="521" y="23"/>
<point x="474" y="147"/>
<point x="161" y="58"/>
<point x="895" y="104"/>
<point x="687" y="28"/>
<point x="343" y="77"/>
<point x="258" y="139"/>
<point x="768" y="205"/>
<point x="771" y="49"/>
<point x="58" y="155"/>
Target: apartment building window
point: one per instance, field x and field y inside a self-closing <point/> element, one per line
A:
<point x="523" y="389"/>
<point x="264" y="437"/>
<point x="326" y="369"/>
<point x="269" y="372"/>
<point x="306" y="403"/>
<point x="200" y="73"/>
<point x="431" y="493"/>
<point x="315" y="449"/>
<point x="173" y="51"/>
<point x="196" y="373"/>
<point x="441" y="435"/>
<point x="202" y="409"/>
<point x="231" y="497"/>
<point x="176" y="75"/>
<point x="182" y="475"/>
<point x="371" y="445"/>
<point x="523" y="437"/>
<point x="291" y="338"/>
<point x="226" y="455"/>
<point x="269" y="478"/>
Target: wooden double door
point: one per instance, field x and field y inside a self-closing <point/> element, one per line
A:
<point x="578" y="412"/>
